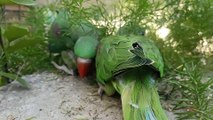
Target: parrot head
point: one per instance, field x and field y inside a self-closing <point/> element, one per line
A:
<point x="85" y="50"/>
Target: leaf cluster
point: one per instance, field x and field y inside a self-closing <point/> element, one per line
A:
<point x="196" y="100"/>
<point x="189" y="22"/>
<point x="15" y="37"/>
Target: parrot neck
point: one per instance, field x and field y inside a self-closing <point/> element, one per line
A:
<point x="83" y="66"/>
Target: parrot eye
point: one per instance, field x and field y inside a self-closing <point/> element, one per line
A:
<point x="135" y="45"/>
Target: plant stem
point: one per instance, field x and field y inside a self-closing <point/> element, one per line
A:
<point x="4" y="59"/>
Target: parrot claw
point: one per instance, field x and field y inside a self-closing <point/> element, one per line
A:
<point x="101" y="92"/>
<point x="63" y="68"/>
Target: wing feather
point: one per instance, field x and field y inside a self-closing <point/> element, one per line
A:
<point x="116" y="54"/>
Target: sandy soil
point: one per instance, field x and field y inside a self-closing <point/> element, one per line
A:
<point x="54" y="97"/>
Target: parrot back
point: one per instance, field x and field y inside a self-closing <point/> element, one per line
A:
<point x="116" y="54"/>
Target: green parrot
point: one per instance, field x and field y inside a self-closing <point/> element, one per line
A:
<point x="60" y="42"/>
<point x="64" y="34"/>
<point x="58" y="37"/>
<point x="85" y="51"/>
<point x="130" y="65"/>
<point x="62" y="38"/>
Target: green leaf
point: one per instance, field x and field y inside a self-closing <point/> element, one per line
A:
<point x="21" y="43"/>
<point x="15" y="77"/>
<point x="14" y="32"/>
<point x="24" y="2"/>
<point x="2" y="81"/>
<point x="5" y="2"/>
<point x="19" y="2"/>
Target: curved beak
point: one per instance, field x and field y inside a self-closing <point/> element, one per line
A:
<point x="83" y="66"/>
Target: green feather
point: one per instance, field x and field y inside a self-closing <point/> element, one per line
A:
<point x="115" y="53"/>
<point x="69" y="59"/>
<point x="63" y="35"/>
<point x="84" y="28"/>
<point x="139" y="96"/>
<point x="130" y="64"/>
<point x="56" y="45"/>
<point x="60" y="25"/>
<point x="85" y="47"/>
<point x="58" y="37"/>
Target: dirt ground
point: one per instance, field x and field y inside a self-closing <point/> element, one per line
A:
<point x="55" y="97"/>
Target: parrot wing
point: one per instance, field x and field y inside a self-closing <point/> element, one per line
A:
<point x="118" y="53"/>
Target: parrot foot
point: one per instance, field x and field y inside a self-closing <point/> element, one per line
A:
<point x="63" y="68"/>
<point x="101" y="92"/>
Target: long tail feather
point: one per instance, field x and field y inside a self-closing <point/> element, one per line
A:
<point x="140" y="100"/>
